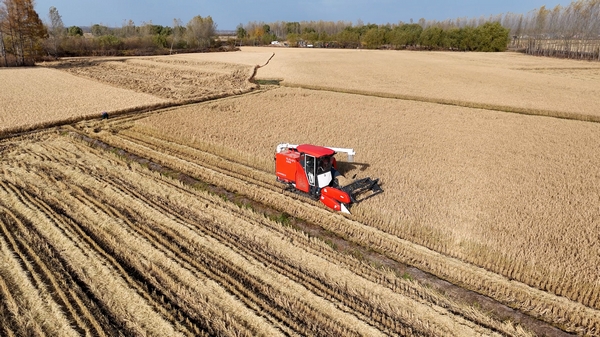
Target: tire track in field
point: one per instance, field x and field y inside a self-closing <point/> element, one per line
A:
<point x="219" y="269"/>
<point x="70" y="289"/>
<point x="531" y="321"/>
<point x="191" y="221"/>
<point x="119" y="185"/>
<point x="150" y="295"/>
<point x="89" y="202"/>
<point x="42" y="275"/>
<point x="11" y="315"/>
<point x="8" y="309"/>
<point x="167" y="243"/>
<point x="138" y="271"/>
<point x="153" y="152"/>
<point x="236" y="242"/>
<point x="233" y="243"/>
<point x="417" y="294"/>
<point x="246" y="172"/>
<point x="278" y="262"/>
<point x="68" y="226"/>
<point x="306" y="283"/>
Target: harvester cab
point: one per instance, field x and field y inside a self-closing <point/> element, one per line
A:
<point x="312" y="170"/>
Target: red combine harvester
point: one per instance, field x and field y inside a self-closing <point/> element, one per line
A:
<point x="312" y="170"/>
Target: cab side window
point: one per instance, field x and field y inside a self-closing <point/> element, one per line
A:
<point x="310" y="169"/>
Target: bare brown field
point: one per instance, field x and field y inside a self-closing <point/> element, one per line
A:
<point x="499" y="81"/>
<point x="34" y="97"/>
<point x="93" y="245"/>
<point x="516" y="195"/>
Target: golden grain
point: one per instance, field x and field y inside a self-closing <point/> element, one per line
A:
<point x="37" y="96"/>
<point x="295" y="282"/>
<point x="504" y="81"/>
<point x="477" y="185"/>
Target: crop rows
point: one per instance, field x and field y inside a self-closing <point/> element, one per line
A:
<point x="476" y="185"/>
<point x="231" y="172"/>
<point x="99" y="246"/>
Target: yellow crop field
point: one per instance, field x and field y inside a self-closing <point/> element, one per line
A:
<point x="35" y="97"/>
<point x="50" y="94"/>
<point x="168" y="220"/>
<point x="248" y="56"/>
<point x="516" y="195"/>
<point x="499" y="81"/>
<point x="124" y="251"/>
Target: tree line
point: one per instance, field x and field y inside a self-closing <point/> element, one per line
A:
<point x="25" y="38"/>
<point x="569" y="32"/>
<point x="490" y="36"/>
<point x="129" y="39"/>
<point x="21" y="31"/>
<point x="572" y="31"/>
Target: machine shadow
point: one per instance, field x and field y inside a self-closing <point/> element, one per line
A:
<point x="361" y="189"/>
<point x="344" y="167"/>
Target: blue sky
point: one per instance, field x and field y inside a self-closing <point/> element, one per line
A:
<point x="227" y="14"/>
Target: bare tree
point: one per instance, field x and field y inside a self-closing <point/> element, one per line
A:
<point x="200" y="31"/>
<point x="571" y="32"/>
<point x="177" y="32"/>
<point x="128" y="29"/>
<point x="56" y="30"/>
<point x="3" y="16"/>
<point x="24" y="29"/>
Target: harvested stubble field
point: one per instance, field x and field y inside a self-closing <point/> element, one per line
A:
<point x="34" y="97"/>
<point x="517" y="195"/>
<point x="76" y="89"/>
<point x="170" y="78"/>
<point x="496" y="202"/>
<point x="94" y="245"/>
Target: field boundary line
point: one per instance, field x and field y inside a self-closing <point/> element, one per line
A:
<point x="30" y="129"/>
<point x="465" y="104"/>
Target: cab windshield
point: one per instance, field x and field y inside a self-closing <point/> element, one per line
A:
<point x="324" y="164"/>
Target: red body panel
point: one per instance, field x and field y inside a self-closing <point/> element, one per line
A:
<point x="301" y="179"/>
<point x="330" y="202"/>
<point x="286" y="164"/>
<point x="315" y="151"/>
<point x="336" y="194"/>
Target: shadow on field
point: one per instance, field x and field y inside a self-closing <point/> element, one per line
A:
<point x="345" y="167"/>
